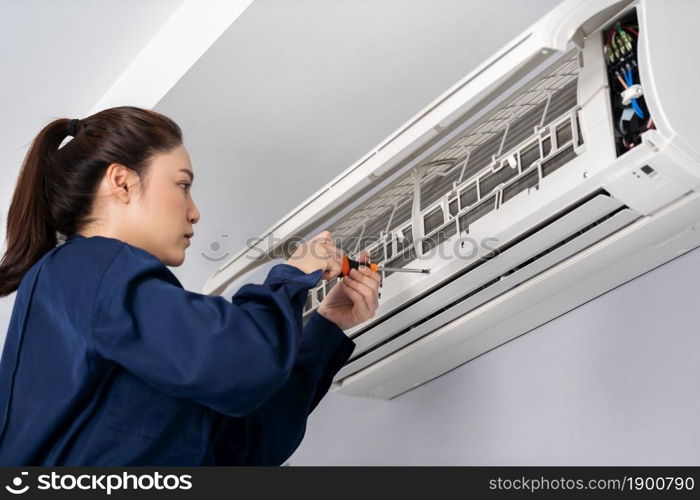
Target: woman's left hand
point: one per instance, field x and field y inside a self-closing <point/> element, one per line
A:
<point x="354" y="299"/>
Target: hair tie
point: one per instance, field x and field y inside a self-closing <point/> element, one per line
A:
<point x="71" y="129"/>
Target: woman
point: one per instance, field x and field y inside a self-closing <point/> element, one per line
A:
<point x="108" y="360"/>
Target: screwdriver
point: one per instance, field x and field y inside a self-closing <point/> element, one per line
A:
<point x="349" y="264"/>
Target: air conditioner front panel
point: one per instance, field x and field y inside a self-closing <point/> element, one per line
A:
<point x="594" y="220"/>
<point x="637" y="248"/>
<point x="481" y="271"/>
<point x="374" y="356"/>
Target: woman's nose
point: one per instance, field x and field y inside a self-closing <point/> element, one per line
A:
<point x="193" y="214"/>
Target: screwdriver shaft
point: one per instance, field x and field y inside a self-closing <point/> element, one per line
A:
<point x="403" y="270"/>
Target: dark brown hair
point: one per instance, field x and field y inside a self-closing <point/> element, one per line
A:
<point x="56" y="186"/>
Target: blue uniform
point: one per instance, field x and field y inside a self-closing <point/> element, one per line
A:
<point x="109" y="361"/>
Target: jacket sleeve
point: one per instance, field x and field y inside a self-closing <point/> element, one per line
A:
<point x="272" y="432"/>
<point x="229" y="356"/>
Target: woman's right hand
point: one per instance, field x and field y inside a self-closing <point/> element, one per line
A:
<point x="318" y="253"/>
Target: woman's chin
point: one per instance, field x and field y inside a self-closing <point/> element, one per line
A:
<point x="176" y="259"/>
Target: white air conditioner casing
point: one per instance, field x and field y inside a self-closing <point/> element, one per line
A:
<point x="513" y="191"/>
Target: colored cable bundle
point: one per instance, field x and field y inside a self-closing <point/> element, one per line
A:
<point x="635" y="105"/>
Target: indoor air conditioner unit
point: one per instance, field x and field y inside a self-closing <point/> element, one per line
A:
<point x="563" y="166"/>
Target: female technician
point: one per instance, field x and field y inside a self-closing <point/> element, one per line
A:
<point x="108" y="360"/>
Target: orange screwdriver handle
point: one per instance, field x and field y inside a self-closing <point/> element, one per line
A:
<point x="349" y="264"/>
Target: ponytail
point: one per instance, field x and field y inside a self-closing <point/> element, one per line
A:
<point x="56" y="184"/>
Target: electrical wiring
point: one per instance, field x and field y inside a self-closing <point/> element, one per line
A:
<point x="610" y="36"/>
<point x="619" y="77"/>
<point x="637" y="109"/>
<point x="635" y="105"/>
<point x="630" y="116"/>
<point x="621" y="127"/>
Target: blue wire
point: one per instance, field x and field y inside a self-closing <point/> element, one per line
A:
<point x="635" y="105"/>
<point x="637" y="109"/>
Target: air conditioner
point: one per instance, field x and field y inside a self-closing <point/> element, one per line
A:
<point x="563" y="166"/>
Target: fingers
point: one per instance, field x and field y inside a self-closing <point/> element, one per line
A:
<point x="363" y="282"/>
<point x="350" y="290"/>
<point x="358" y="297"/>
<point x="375" y="282"/>
<point x="374" y="275"/>
<point x="323" y="250"/>
<point x="334" y="261"/>
<point x="370" y="277"/>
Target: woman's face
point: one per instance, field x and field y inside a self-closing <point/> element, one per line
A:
<point x="162" y="211"/>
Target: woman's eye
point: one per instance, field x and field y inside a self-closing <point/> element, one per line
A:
<point x="186" y="184"/>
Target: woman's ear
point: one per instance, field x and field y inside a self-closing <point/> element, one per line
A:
<point x="118" y="179"/>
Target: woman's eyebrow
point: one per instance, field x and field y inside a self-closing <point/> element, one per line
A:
<point x="189" y="172"/>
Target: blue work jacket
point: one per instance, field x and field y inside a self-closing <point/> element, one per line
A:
<point x="109" y="361"/>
